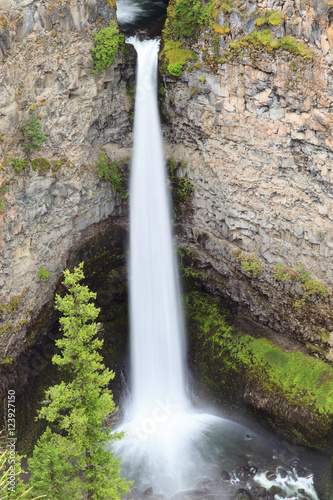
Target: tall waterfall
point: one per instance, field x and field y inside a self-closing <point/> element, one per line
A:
<point x="157" y="354"/>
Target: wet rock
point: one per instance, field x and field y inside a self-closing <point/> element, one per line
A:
<point x="303" y="472"/>
<point x="262" y="491"/>
<point x="253" y="470"/>
<point x="243" y="494"/>
<point x="283" y="473"/>
<point x="271" y="475"/>
<point x="241" y="473"/>
<point x="148" y="492"/>
<point x="275" y="490"/>
<point x="295" y="463"/>
<point x="225" y="476"/>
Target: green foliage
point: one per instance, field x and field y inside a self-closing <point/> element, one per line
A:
<point x="291" y="45"/>
<point x="33" y="134"/>
<point x="181" y="189"/>
<point x="301" y="379"/>
<point x="18" y="164"/>
<point x="310" y="285"/>
<point x="50" y="471"/>
<point x="186" y="264"/>
<point x="43" y="274"/>
<point x="10" y="467"/>
<point x="227" y="6"/>
<point x="175" y="69"/>
<point x="175" y="57"/>
<point x="188" y="14"/>
<point x="249" y="263"/>
<point x="107" y="42"/>
<point x="58" y="164"/>
<point x="114" y="173"/>
<point x="273" y="18"/>
<point x="11" y="306"/>
<point x="280" y="273"/>
<point x="78" y="453"/>
<point x="264" y="39"/>
<point x="41" y="164"/>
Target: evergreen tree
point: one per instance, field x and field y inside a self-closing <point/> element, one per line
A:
<point x="76" y="463"/>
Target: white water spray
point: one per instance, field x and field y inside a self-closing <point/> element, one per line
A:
<point x="168" y="445"/>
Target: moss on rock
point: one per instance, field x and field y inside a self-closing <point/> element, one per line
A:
<point x="290" y="390"/>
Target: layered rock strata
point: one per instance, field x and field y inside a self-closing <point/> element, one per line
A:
<point x="254" y="126"/>
<point x="47" y="209"/>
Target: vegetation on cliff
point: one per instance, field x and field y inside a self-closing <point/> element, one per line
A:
<point x="113" y="172"/>
<point x="187" y="20"/>
<point x="72" y="460"/>
<point x="107" y="43"/>
<point x="297" y="389"/>
<point x="33" y="134"/>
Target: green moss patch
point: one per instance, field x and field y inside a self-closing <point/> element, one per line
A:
<point x="174" y="56"/>
<point x="304" y="382"/>
<point x="265" y="40"/>
<point x="41" y="164"/>
<point x="272" y="18"/>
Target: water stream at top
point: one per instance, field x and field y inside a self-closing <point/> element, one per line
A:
<point x="169" y="445"/>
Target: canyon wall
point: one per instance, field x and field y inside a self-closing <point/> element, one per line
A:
<point x="252" y="121"/>
<point x="57" y="201"/>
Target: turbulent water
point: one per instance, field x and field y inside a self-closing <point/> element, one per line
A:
<point x="169" y="445"/>
<point x="134" y="14"/>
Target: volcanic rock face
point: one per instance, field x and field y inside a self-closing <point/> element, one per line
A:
<point x="256" y="133"/>
<point x="46" y="210"/>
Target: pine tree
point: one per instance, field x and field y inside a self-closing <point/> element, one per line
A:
<point x="77" y="409"/>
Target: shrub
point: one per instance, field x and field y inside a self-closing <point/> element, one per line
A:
<point x="43" y="274"/>
<point x="188" y="14"/>
<point x="107" y="42"/>
<point x="175" y="69"/>
<point x="175" y="56"/>
<point x="249" y="263"/>
<point x="18" y="164"/>
<point x="33" y="134"/>
<point x="113" y="173"/>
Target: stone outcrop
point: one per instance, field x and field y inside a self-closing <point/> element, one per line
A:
<point x="46" y="210"/>
<point x="255" y="130"/>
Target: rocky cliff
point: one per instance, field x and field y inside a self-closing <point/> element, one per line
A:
<point x="250" y="114"/>
<point x="54" y="200"/>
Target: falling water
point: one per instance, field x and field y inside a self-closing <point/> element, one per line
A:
<point x="168" y="445"/>
<point x="156" y="326"/>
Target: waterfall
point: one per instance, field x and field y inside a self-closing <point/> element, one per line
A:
<point x="157" y="354"/>
<point x="169" y="445"/>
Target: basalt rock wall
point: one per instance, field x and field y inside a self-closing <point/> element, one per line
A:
<point x="55" y="203"/>
<point x="253" y="124"/>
